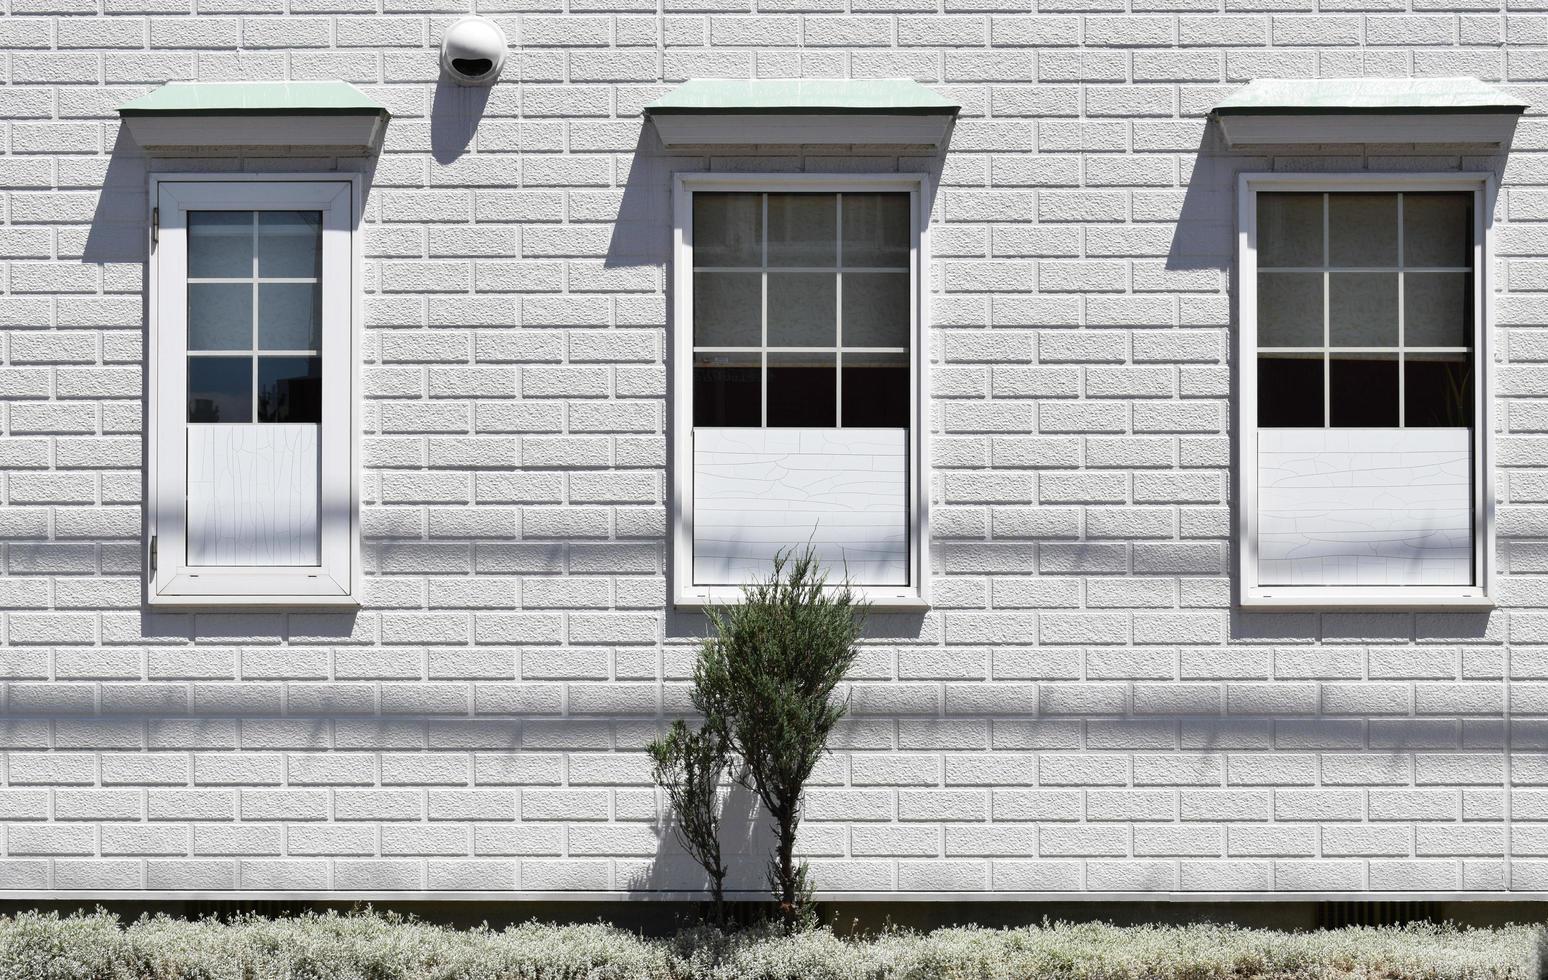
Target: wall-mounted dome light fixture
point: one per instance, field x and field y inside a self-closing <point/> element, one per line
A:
<point x="473" y="51"/>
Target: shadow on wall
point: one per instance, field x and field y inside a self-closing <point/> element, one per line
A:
<point x="642" y="227"/>
<point x="455" y="113"/>
<point x="118" y="232"/>
<point x="1204" y="223"/>
<point x="746" y="841"/>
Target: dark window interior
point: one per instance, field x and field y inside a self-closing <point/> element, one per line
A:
<point x="728" y="396"/>
<point x="1289" y="392"/>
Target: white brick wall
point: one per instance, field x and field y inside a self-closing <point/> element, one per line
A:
<point x="1083" y="711"/>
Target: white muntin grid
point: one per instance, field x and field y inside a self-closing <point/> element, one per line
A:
<point x="1327" y="348"/>
<point x="764" y="270"/>
<point x="253" y="352"/>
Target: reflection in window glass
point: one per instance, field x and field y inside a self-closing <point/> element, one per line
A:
<point x="876" y="230"/>
<point x="803" y="230"/>
<point x="803" y="309"/>
<point x="220" y="316"/>
<point x="1363" y="390"/>
<point x="1362" y="230"/>
<point x="290" y="316"/>
<point x="1438" y="307"/>
<point x="727" y="229"/>
<point x="1438" y="230"/>
<point x="290" y="244"/>
<point x="1290" y="391"/>
<point x="876" y="309"/>
<point x="220" y="389"/>
<point x="289" y="389"/>
<point x="1363" y="309"/>
<point x="727" y="308"/>
<point x="1289" y="230"/>
<point x="1290" y="309"/>
<point x="220" y="244"/>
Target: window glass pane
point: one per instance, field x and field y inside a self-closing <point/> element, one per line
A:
<point x="290" y="316"/>
<point x="876" y="309"/>
<point x="803" y="309"/>
<point x="727" y="309"/>
<point x="803" y="229"/>
<point x="1290" y="390"/>
<point x="1289" y="230"/>
<point x="290" y="389"/>
<point x="1363" y="309"/>
<point x="802" y="390"/>
<point x="1438" y="309"/>
<point x="875" y="391"/>
<point x="220" y="389"/>
<point x="220" y="316"/>
<point x="220" y="244"/>
<point x="1437" y="229"/>
<point x="727" y="229"/>
<point x="290" y="244"/>
<point x="876" y="230"/>
<point x="1437" y="390"/>
<point x="1363" y="390"/>
<point x="726" y="390"/>
<point x="1290" y="309"/>
<point x="1362" y="229"/>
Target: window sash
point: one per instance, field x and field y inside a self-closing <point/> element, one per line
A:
<point x="334" y="579"/>
<point x="1254" y="593"/>
<point x="685" y="592"/>
<point x="770" y="275"/>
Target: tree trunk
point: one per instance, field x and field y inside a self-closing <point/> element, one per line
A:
<point x="787" y="874"/>
<point x="718" y="890"/>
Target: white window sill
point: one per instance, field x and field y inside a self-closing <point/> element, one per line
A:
<point x="1333" y="600"/>
<point x="299" y="602"/>
<point x="881" y="601"/>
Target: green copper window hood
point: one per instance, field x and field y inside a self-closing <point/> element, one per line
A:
<point x="1368" y="110"/>
<point x="714" y="111"/>
<point x="179" y="116"/>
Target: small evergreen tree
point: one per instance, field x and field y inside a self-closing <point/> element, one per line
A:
<point x="689" y="765"/>
<point x="768" y="674"/>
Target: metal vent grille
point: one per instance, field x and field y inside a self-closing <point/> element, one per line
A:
<point x="1336" y="915"/>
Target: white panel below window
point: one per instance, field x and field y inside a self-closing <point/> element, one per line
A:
<point x="252" y="494"/>
<point x="1365" y="507"/>
<point x="759" y="490"/>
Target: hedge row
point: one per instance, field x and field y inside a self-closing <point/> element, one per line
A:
<point x="375" y="947"/>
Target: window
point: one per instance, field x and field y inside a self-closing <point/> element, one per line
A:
<point x="1364" y="312"/>
<point x="252" y="490"/>
<point x="798" y="404"/>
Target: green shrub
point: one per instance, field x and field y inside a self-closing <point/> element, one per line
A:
<point x="766" y="677"/>
<point x="369" y="946"/>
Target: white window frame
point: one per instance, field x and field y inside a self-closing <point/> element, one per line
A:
<point x="1252" y="592"/>
<point x="336" y="580"/>
<point x="915" y="595"/>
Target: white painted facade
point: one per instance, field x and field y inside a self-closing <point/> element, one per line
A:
<point x="1070" y="699"/>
